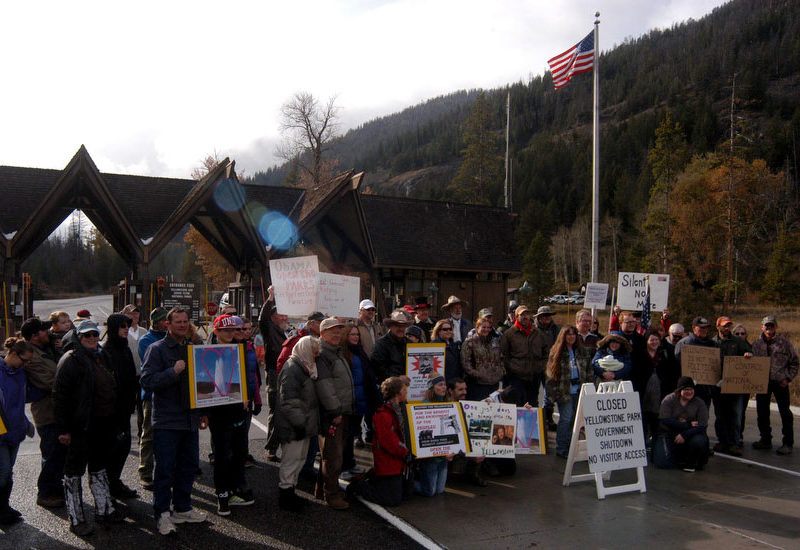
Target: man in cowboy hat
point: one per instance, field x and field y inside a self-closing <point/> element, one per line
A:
<point x="389" y="357"/>
<point x="422" y="318"/>
<point x="454" y="311"/>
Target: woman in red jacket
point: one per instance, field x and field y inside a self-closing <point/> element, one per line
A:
<point x="389" y="449"/>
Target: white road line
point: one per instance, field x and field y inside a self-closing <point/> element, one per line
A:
<point x="739" y="533"/>
<point x="754" y="463"/>
<point x="401" y="525"/>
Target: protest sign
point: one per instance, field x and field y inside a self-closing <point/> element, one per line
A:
<point x="596" y="295"/>
<point x="745" y="375"/>
<point x="437" y="429"/>
<point x="530" y="437"/>
<point x="423" y="361"/>
<point x="491" y="427"/>
<point x="337" y="295"/>
<point x="632" y="290"/>
<point x="614" y="431"/>
<point x="295" y="282"/>
<point x="701" y="364"/>
<point x="216" y="375"/>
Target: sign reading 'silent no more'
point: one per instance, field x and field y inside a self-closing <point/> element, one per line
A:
<point x="632" y="290"/>
<point x="614" y="432"/>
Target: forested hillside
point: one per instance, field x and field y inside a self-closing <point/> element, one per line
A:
<point x="743" y="57"/>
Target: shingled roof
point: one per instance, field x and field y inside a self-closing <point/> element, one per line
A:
<point x="439" y="235"/>
<point x="27" y="187"/>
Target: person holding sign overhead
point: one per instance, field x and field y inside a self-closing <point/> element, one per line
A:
<point x="782" y="370"/>
<point x="683" y="442"/>
<point x="568" y="367"/>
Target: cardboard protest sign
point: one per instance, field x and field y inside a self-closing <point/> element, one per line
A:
<point x="530" y="436"/>
<point x="632" y="290"/>
<point x="701" y="363"/>
<point x="596" y="295"/>
<point x="491" y="427"/>
<point x="216" y="375"/>
<point x="422" y="362"/>
<point x="338" y="295"/>
<point x="437" y="429"/>
<point x="295" y="282"/>
<point x="614" y="431"/>
<point x="743" y="375"/>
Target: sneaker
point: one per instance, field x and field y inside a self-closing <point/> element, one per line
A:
<point x="690" y="470"/>
<point x="50" y="502"/>
<point x="784" y="450"/>
<point x="762" y="444"/>
<point x="223" y="504"/>
<point x="189" y="516"/>
<point x="242" y="498"/>
<point x="165" y="524"/>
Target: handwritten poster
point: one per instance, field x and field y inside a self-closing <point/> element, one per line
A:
<point x="596" y="295"/>
<point x="422" y="362"/>
<point x="295" y="283"/>
<point x="701" y="363"/>
<point x="632" y="290"/>
<point x="338" y="295"/>
<point x="491" y="427"/>
<point x="216" y="375"/>
<point x="743" y="375"/>
<point x="437" y="429"/>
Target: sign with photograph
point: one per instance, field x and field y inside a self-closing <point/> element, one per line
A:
<point x="701" y="364"/>
<point x="423" y="361"/>
<point x="437" y="429"/>
<point x="596" y="295"/>
<point x="217" y="375"/>
<point x="745" y="375"/>
<point x="295" y="283"/>
<point x="338" y="295"/>
<point x="614" y="431"/>
<point x="492" y="427"/>
<point x="632" y="290"/>
<point x="530" y="437"/>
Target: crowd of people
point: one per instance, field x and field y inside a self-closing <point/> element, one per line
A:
<point x="338" y="384"/>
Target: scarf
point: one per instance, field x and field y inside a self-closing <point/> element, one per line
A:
<point x="303" y="353"/>
<point x="523" y="330"/>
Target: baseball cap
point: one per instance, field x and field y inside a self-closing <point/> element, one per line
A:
<point x="769" y="320"/>
<point x="724" y="321"/>
<point x="316" y="316"/>
<point x="700" y="322"/>
<point x="158" y="314"/>
<point x="33" y="325"/>
<point x="330" y="322"/>
<point x="366" y="304"/>
<point x="226" y="321"/>
<point x="87" y="326"/>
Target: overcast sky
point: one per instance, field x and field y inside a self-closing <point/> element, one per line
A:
<point x="152" y="87"/>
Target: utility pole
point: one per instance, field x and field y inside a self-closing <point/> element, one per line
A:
<point x="726" y="302"/>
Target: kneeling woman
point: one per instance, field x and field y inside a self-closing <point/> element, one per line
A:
<point x="568" y="368"/>
<point x="389" y="449"/>
<point x="683" y="442"/>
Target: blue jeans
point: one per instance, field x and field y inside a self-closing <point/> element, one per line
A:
<point x="177" y="454"/>
<point x="431" y="477"/>
<point x="8" y="456"/>
<point x="54" y="454"/>
<point x="566" y="415"/>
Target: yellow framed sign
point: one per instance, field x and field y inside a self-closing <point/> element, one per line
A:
<point x="437" y="429"/>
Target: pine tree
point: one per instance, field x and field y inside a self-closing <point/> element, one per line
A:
<point x="781" y="285"/>
<point x="537" y="267"/>
<point x="479" y="177"/>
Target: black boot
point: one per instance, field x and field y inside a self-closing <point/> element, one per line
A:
<point x="7" y="514"/>
<point x="289" y="501"/>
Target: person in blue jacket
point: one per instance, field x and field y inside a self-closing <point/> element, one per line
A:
<point x="616" y="345"/>
<point x="12" y="403"/>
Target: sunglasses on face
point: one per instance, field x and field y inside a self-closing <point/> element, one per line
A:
<point x="91" y="335"/>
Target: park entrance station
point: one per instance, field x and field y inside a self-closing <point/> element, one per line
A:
<point x="400" y="248"/>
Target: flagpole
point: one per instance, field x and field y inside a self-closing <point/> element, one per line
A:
<point x="596" y="152"/>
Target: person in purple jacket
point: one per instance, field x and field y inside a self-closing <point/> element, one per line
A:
<point x="12" y="403"/>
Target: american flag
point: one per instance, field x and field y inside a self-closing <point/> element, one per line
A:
<point x="578" y="59"/>
<point x="645" y="322"/>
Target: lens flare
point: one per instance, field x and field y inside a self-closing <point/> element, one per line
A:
<point x="255" y="211"/>
<point x="229" y="195"/>
<point x="277" y="230"/>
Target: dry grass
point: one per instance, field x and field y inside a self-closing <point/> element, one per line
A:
<point x="749" y="315"/>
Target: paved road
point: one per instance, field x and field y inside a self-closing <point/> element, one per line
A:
<point x="99" y="306"/>
<point x="731" y="505"/>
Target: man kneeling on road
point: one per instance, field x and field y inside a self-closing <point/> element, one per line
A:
<point x="175" y="425"/>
